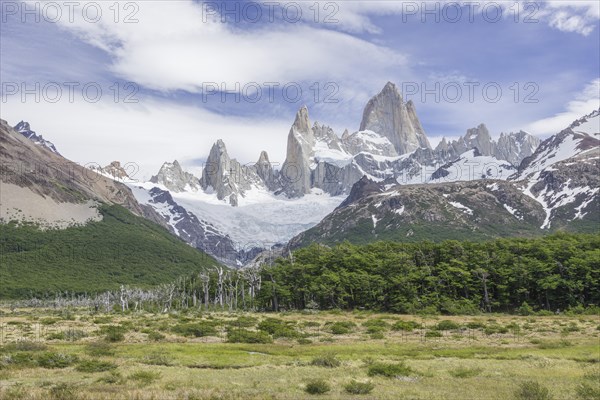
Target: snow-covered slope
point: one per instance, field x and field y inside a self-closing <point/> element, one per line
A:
<point x="563" y="174"/>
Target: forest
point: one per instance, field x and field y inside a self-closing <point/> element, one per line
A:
<point x="551" y="274"/>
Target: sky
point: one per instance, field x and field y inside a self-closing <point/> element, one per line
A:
<point x="146" y="82"/>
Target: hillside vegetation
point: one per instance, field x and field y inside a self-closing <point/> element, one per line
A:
<point x="120" y="249"/>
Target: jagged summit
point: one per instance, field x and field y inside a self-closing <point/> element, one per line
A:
<point x="174" y="178"/>
<point x="24" y="129"/>
<point x="388" y="114"/>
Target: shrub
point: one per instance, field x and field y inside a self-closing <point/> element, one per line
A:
<point x="462" y="372"/>
<point x="317" y="386"/>
<point x="341" y="327"/>
<point x="389" y="370"/>
<point x="98" y="349"/>
<point x="407" y="326"/>
<point x="244" y="322"/>
<point x="304" y="341"/>
<point x="246" y="336"/>
<point x="377" y="336"/>
<point x="113" y="333"/>
<point x="145" y="377"/>
<point x="198" y="329"/>
<point x="17" y="360"/>
<point x="376" y="323"/>
<point x="278" y="328"/>
<point x="447" y="325"/>
<point x="525" y="309"/>
<point x="433" y="334"/>
<point x="531" y="390"/>
<point x="355" y="387"/>
<point x="56" y="360"/>
<point x="71" y="335"/>
<point x="328" y="361"/>
<point x="95" y="366"/>
<point x="475" y="325"/>
<point x="155" y="336"/>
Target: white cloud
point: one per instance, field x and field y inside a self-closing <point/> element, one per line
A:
<point x="587" y="101"/>
<point x="147" y="133"/>
<point x="172" y="48"/>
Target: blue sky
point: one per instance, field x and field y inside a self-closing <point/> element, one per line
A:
<point x="174" y="50"/>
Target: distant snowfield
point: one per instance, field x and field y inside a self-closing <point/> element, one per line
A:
<point x="261" y="219"/>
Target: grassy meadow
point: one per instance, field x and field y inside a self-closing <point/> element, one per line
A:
<point x="75" y="354"/>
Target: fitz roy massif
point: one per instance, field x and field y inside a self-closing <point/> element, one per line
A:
<point x="381" y="181"/>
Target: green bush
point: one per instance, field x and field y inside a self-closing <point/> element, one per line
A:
<point x="17" y="360"/>
<point x="447" y="325"/>
<point x="246" y="336"/>
<point x="433" y="334"/>
<point x="278" y="328"/>
<point x="55" y="360"/>
<point x="525" y="309"/>
<point x="475" y="325"/>
<point x="407" y="326"/>
<point x="317" y="386"/>
<point x="155" y="336"/>
<point x="356" y="387"/>
<point x="389" y="370"/>
<point x="531" y="390"/>
<point x="98" y="349"/>
<point x="113" y="333"/>
<point x="328" y="361"/>
<point x="341" y="327"/>
<point x="378" y="323"/>
<point x="95" y="366"/>
<point x="244" y="322"/>
<point x="197" y="329"/>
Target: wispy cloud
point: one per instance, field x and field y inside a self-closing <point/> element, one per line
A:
<point x="587" y="101"/>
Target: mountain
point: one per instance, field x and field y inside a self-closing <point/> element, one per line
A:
<point x="388" y="115"/>
<point x="556" y="187"/>
<point x="256" y="206"/>
<point x="563" y="175"/>
<point x="66" y="227"/>
<point x="24" y="129"/>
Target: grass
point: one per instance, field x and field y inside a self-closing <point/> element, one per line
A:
<point x="464" y="364"/>
<point x="317" y="386"/>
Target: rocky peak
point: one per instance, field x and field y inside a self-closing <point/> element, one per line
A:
<point x="174" y="178"/>
<point x="480" y="138"/>
<point x="295" y="172"/>
<point x="24" y="129"/>
<point x="388" y="115"/>
<point x="115" y="170"/>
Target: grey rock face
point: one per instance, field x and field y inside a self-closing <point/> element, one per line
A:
<point x="514" y="147"/>
<point x="388" y="115"/>
<point x="174" y="178"/>
<point x="296" y="172"/>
